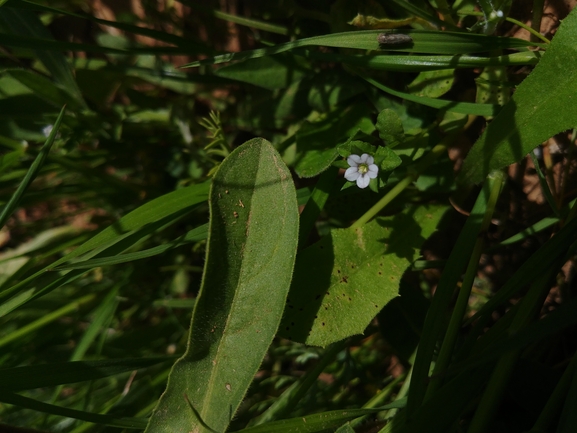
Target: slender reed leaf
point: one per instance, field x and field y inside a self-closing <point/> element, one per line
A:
<point x="137" y="30"/>
<point x="320" y="422"/>
<point x="26" y="24"/>
<point x="425" y="42"/>
<point x="29" y="403"/>
<point x="32" y="172"/>
<point x="441" y="104"/>
<point x="37" y="376"/>
<point x="414" y="63"/>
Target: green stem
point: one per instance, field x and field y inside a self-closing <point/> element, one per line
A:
<point x="535" y="34"/>
<point x="513" y="21"/>
<point x="414" y="172"/>
<point x="402" y="393"/>
<point x="445" y="354"/>
<point x="378" y="400"/>
<point x="537" y="16"/>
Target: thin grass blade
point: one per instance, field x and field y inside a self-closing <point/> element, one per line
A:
<point x="32" y="172"/>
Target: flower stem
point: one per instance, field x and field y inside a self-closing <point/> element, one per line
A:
<point x="413" y="173"/>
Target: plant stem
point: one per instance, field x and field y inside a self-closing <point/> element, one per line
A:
<point x="536" y="21"/>
<point x="414" y="172"/>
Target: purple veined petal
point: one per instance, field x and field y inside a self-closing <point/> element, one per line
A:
<point x="364" y="158"/>
<point x="352" y="174"/>
<point x="370" y="160"/>
<point x="363" y="181"/>
<point x="373" y="171"/>
<point x="354" y="160"/>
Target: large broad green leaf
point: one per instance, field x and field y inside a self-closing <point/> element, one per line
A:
<point x="542" y="106"/>
<point x="344" y="280"/>
<point x="251" y="250"/>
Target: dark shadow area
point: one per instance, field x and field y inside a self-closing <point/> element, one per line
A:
<point x="311" y="278"/>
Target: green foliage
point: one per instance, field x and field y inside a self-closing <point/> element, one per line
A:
<point x="343" y="280"/>
<point x="251" y="249"/>
<point x="536" y="111"/>
<point x="160" y="192"/>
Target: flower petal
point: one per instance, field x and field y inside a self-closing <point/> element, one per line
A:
<point x="373" y="171"/>
<point x="363" y="181"/>
<point x="370" y="160"/>
<point x="354" y="160"/>
<point x="352" y="174"/>
<point x="364" y="158"/>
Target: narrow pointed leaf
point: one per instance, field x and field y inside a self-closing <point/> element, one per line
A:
<point x="30" y="403"/>
<point x="319" y="422"/>
<point x="251" y="249"/>
<point x="37" y="376"/>
<point x="32" y="172"/>
<point x="423" y="42"/>
<point x="111" y="241"/>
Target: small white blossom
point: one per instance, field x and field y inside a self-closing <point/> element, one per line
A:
<point x="47" y="130"/>
<point x="362" y="169"/>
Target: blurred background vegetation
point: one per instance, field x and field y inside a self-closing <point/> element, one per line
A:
<point x="138" y="127"/>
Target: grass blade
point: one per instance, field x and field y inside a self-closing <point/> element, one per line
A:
<point x="29" y="403"/>
<point x="441" y="104"/>
<point x="37" y="376"/>
<point x="194" y="235"/>
<point x="425" y="42"/>
<point x="32" y="172"/>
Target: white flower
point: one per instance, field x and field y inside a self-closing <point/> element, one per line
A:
<point x="362" y="169"/>
<point x="47" y="130"/>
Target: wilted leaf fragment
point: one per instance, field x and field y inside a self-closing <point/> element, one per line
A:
<point x="542" y="106"/>
<point x="343" y="281"/>
<point x="251" y="249"/>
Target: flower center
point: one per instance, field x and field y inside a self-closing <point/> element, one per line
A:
<point x="363" y="168"/>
